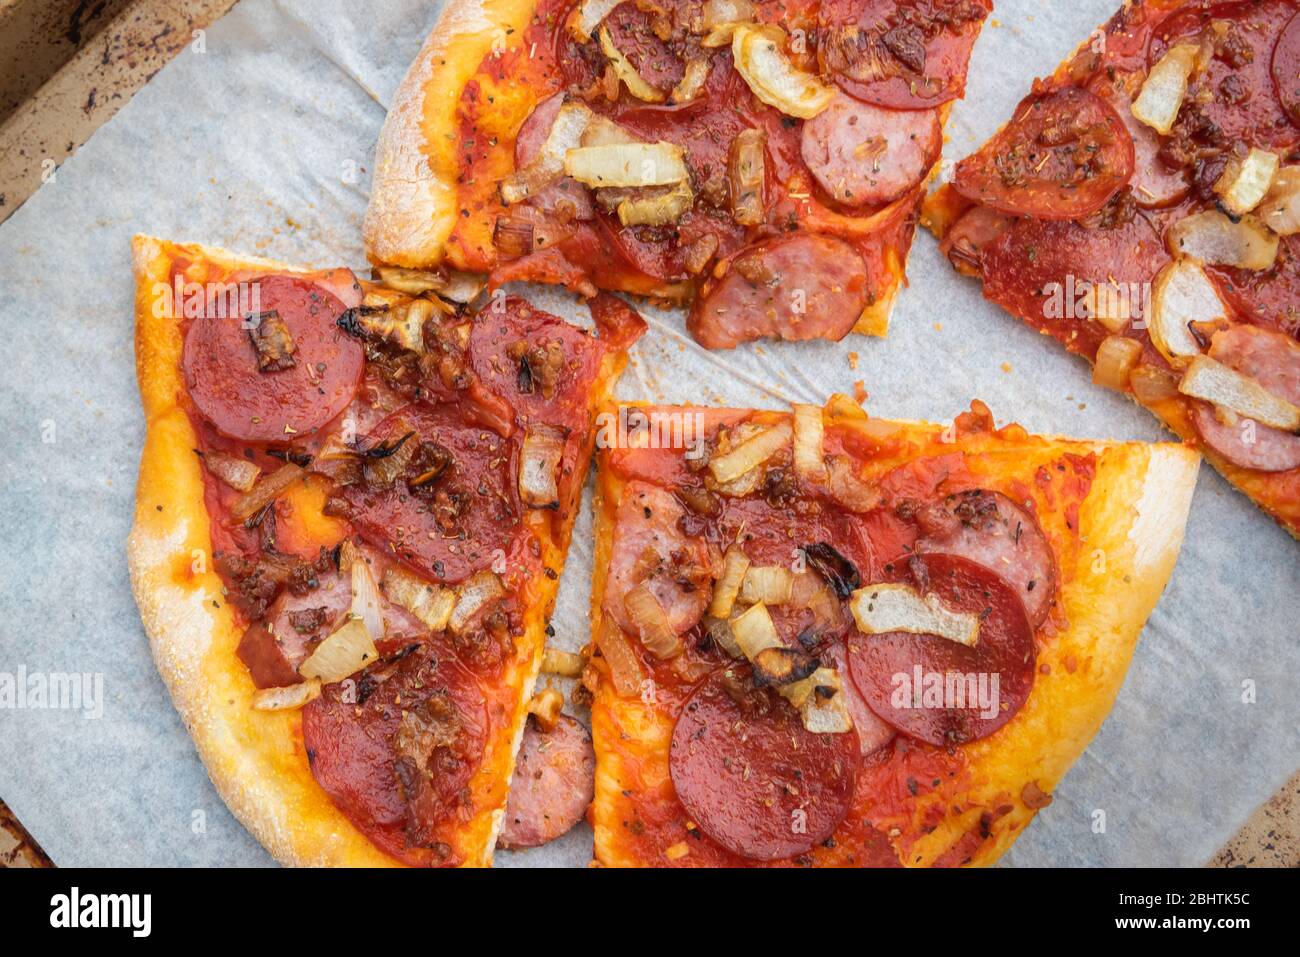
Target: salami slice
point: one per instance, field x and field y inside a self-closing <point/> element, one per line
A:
<point x="650" y="549"/>
<point x="1273" y="360"/>
<point x="905" y="55"/>
<point x="464" y="520"/>
<point x="395" y="749"/>
<point x="566" y="197"/>
<point x="864" y="155"/>
<point x="1063" y="156"/>
<point x="752" y="777"/>
<point x="553" y="784"/>
<point x="935" y="689"/>
<point x="804" y="286"/>
<point x="989" y="528"/>
<point x="308" y="385"/>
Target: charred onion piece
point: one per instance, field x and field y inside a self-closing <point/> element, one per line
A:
<point x="840" y="573"/>
<point x="782" y="666"/>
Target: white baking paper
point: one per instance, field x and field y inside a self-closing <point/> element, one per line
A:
<point x="261" y="141"/>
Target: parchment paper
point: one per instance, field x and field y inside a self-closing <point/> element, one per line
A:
<point x="262" y="142"/>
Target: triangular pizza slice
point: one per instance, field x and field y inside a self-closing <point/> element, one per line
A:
<point x="761" y="162"/>
<point x="826" y="639"/>
<point x="354" y="504"/>
<point x="1142" y="207"/>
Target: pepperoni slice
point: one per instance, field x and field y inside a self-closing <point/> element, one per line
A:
<point x="538" y="363"/>
<point x="1063" y="156"/>
<point x="463" y="520"/>
<point x="1029" y="269"/>
<point x="751" y="776"/>
<point x="1272" y="360"/>
<point x="1286" y="68"/>
<point x="873" y="734"/>
<point x="650" y="549"/>
<point x="221" y="366"/>
<point x="1237" y="92"/>
<point x="998" y="672"/>
<point x="905" y="55"/>
<point x="989" y="528"/>
<point x="1268" y="297"/>
<point x="804" y="286"/>
<point x="865" y="155"/>
<point x="395" y="749"/>
<point x="554" y="782"/>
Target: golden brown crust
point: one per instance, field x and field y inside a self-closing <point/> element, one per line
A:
<point x="1131" y="528"/>
<point x="256" y="759"/>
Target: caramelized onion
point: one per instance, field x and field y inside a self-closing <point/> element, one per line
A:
<point x="239" y="473"/>
<point x="1151" y="384"/>
<point x="342" y="654"/>
<point x="1280" y="209"/>
<point x="624" y="667"/>
<point x="288" y="698"/>
<point x="654" y="629"/>
<point x="1116" y="358"/>
<point x="266" y="491"/>
<point x="769" y="584"/>
<point x="1183" y="294"/>
<point x="734" y="565"/>
<point x="539" y="464"/>
<point x="750" y="453"/>
<point x="566" y="664"/>
<point x="1212" y="237"/>
<point x="1229" y="389"/>
<point x="431" y="604"/>
<point x="760" y="59"/>
<point x="1246" y="180"/>
<point x="475" y="594"/>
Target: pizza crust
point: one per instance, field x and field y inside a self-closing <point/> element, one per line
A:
<point x="1132" y="529"/>
<point x="256" y="759"/>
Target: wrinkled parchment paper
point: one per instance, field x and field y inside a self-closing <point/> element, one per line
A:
<point x="262" y="141"/>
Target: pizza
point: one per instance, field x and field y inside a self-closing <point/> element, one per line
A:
<point x="354" y="504"/>
<point x="1142" y="207"/>
<point x="825" y="639"/>
<point x="760" y="162"/>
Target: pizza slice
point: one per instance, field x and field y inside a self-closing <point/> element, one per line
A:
<point x="827" y="639"/>
<point x="354" y="504"/>
<point x="761" y="162"/>
<point x="1142" y="207"/>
